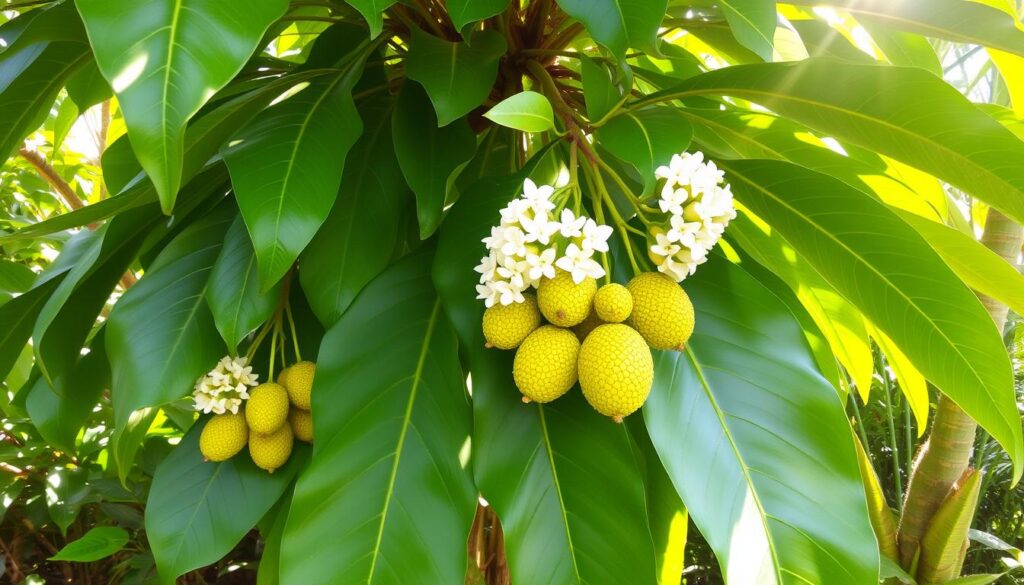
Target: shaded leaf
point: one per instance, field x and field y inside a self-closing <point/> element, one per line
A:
<point x="646" y="139"/>
<point x="373" y="12"/>
<point x="99" y="543"/>
<point x="620" y="24"/>
<point x="463" y="12"/>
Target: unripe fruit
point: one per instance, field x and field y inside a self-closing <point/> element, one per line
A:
<point x="662" y="312"/>
<point x="563" y="302"/>
<point x="271" y="451"/>
<point x="506" y="326"/>
<point x="545" y="364"/>
<point x="267" y="408"/>
<point x="298" y="380"/>
<point x="223" y="436"/>
<point x="302" y="424"/>
<point x="613" y="303"/>
<point x="616" y="370"/>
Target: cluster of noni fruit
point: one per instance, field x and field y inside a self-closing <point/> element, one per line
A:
<point x="268" y="418"/>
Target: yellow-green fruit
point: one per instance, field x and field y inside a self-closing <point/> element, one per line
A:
<point x="506" y="326"/>
<point x="223" y="437"/>
<point x="271" y="451"/>
<point x="662" y="312"/>
<point x="302" y="424"/>
<point x="298" y="380"/>
<point x="563" y="302"/>
<point x="613" y="303"/>
<point x="616" y="370"/>
<point x="545" y="364"/>
<point x="267" y="408"/>
<point x="589" y="324"/>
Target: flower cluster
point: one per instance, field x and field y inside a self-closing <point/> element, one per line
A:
<point x="224" y="387"/>
<point x="699" y="207"/>
<point x="532" y="241"/>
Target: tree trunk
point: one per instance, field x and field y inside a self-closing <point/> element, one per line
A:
<point x="946" y="454"/>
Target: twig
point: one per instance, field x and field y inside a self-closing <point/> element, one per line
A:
<point x="67" y="194"/>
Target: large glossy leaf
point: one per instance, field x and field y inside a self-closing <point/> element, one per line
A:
<point x="457" y="76"/>
<point x="234" y="297"/>
<point x="199" y="510"/>
<point x="757" y="443"/>
<point x="357" y="240"/>
<point x="620" y="24"/>
<point x="555" y="531"/>
<point x="882" y="266"/>
<point x="430" y="157"/>
<point x="286" y="167"/>
<point x="752" y="23"/>
<point x="463" y="12"/>
<point x="164" y="59"/>
<point x="902" y="112"/>
<point x="161" y="336"/>
<point x="388" y="497"/>
<point x="647" y="139"/>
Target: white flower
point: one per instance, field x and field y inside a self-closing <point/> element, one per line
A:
<point x="541" y="265"/>
<point x="673" y="200"/>
<point x="571" y="226"/>
<point x="508" y="292"/>
<point x="539" y="229"/>
<point x="596" y="236"/>
<point x="579" y="264"/>
<point x="515" y="242"/>
<point x="487" y="293"/>
<point x="539" y="198"/>
<point x="677" y="270"/>
<point x="224" y="387"/>
<point x="664" y="247"/>
<point x="488" y="267"/>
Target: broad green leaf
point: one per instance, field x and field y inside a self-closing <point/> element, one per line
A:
<point x="903" y="48"/>
<point x="269" y="570"/>
<point x="554" y="533"/>
<point x="87" y="87"/>
<point x="18" y="316"/>
<point x="752" y="23"/>
<point x="601" y="89"/>
<point x="463" y="12"/>
<point x="430" y="156"/>
<point x="457" y="76"/>
<point x="56" y="22"/>
<point x="373" y="12"/>
<point x="882" y="266"/>
<point x="15" y="277"/>
<point x="911" y="381"/>
<point x="902" y="112"/>
<point x="388" y="497"/>
<point x="199" y="510"/>
<point x="358" y="239"/>
<point x="528" y="111"/>
<point x="99" y="543"/>
<point x="286" y="167"/>
<point x="620" y="24"/>
<point x="757" y="443"/>
<point x="127" y="440"/>
<point x="234" y="297"/>
<point x="160" y="335"/>
<point x="164" y="59"/>
<point x="646" y="139"/>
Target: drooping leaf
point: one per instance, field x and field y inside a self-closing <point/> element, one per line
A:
<point x="234" y="297"/>
<point x="620" y="24"/>
<point x="430" y="156"/>
<point x="528" y="111"/>
<point x="388" y="497"/>
<point x="457" y="76"/>
<point x="164" y="59"/>
<point x="373" y="12"/>
<point x="912" y="296"/>
<point x="199" y="510"/>
<point x="646" y="139"/>
<point x="463" y="12"/>
<point x="752" y="22"/>
<point x="99" y="543"/>
<point x="757" y="443"/>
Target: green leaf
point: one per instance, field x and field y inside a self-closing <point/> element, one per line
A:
<point x="160" y="335"/>
<point x="975" y="579"/>
<point x="667" y="513"/>
<point x="358" y="239"/>
<point x="757" y="443"/>
<point x="457" y="76"/>
<point x="620" y="24"/>
<point x="164" y="59"/>
<point x="430" y="156"/>
<point x="373" y="12"/>
<point x="18" y="316"/>
<point x="99" y="543"/>
<point x="234" y="297"/>
<point x="893" y="276"/>
<point x="14" y="277"/>
<point x="286" y="167"/>
<point x="554" y="532"/>
<point x="269" y="570"/>
<point x="602" y="87"/>
<point x="528" y="111"/>
<point x="86" y="87"/>
<point x="66" y="490"/>
<point x="463" y="12"/>
<point x="890" y="569"/>
<point x="388" y="496"/>
<point x="198" y="510"/>
<point x="753" y="24"/>
<point x="646" y="139"/>
<point x="944" y="543"/>
<point x="902" y="112"/>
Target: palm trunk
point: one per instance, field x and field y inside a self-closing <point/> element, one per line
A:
<point x="947" y="453"/>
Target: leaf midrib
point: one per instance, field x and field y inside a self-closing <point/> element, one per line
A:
<point x="558" y="491"/>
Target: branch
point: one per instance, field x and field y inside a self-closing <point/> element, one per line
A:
<point x="67" y="194"/>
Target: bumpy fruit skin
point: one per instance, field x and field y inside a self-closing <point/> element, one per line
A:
<point x="302" y="424"/>
<point x="563" y="302"/>
<point x="271" y="451"/>
<point x="613" y="303"/>
<point x="545" y="364"/>
<point x="223" y="437"/>
<point x="662" y="312"/>
<point x="616" y="370"/>
<point x="267" y="408"/>
<point x="298" y="380"/>
<point x="506" y="326"/>
<point x="589" y="324"/>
